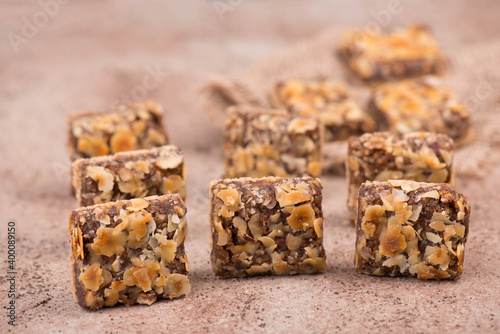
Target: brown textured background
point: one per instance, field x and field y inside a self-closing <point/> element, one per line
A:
<point x="91" y="53"/>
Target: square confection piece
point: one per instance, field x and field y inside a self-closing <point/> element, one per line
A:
<point x="420" y="105"/>
<point x="129" y="251"/>
<point x="262" y="143"/>
<point x="382" y="156"/>
<point x="340" y="114"/>
<point x="132" y="127"/>
<point x="375" y="56"/>
<point x="267" y="226"/>
<point x="126" y="175"/>
<point x="406" y="228"/>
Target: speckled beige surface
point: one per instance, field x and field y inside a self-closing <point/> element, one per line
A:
<point x="88" y="55"/>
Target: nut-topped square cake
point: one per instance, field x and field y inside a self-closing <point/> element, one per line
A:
<point x="132" y="127"/>
<point x="129" y="252"/>
<point x="424" y="104"/>
<point x="407" y="228"/>
<point x="379" y="56"/>
<point x="266" y="226"/>
<point x="339" y="113"/>
<point x="382" y="156"/>
<point x="127" y="175"/>
<point x="264" y="142"/>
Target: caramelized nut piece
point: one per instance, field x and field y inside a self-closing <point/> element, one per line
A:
<point x="77" y="243"/>
<point x="92" y="301"/>
<point x="167" y="251"/>
<point x="92" y="146"/>
<point x="112" y="294"/>
<point x="318" y="227"/>
<point x="102" y="176"/>
<point x="258" y="269"/>
<point x="293" y="242"/>
<point x="137" y="227"/>
<point x="292" y="198"/>
<point x="129" y="277"/>
<point x="302" y="125"/>
<point x="160" y="281"/>
<point x="281" y="268"/>
<point x="249" y="248"/>
<point x="177" y="285"/>
<point x="391" y="244"/>
<point x="137" y="204"/>
<point x="312" y="266"/>
<point x="109" y="241"/>
<point x="170" y="161"/>
<point x="267" y="242"/>
<point x="302" y="217"/>
<point x="142" y="278"/>
<point x="92" y="277"/>
<point x="439" y="255"/>
<point x="255" y="226"/>
<point x="373" y="212"/>
<point x="241" y="225"/>
<point x="123" y="140"/>
<point x="231" y="199"/>
<point x="460" y="253"/>
<point x="222" y="235"/>
<point x="125" y="174"/>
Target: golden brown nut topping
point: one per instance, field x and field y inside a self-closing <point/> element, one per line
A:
<point x="302" y="217"/>
<point x="92" y="277"/>
<point x="167" y="250"/>
<point x="76" y="243"/>
<point x="123" y="140"/>
<point x="292" y="198"/>
<point x="102" y="176"/>
<point x="177" y="285"/>
<point x="137" y="227"/>
<point x="142" y="279"/>
<point x="92" y="146"/>
<point x="391" y="243"/>
<point x="231" y="199"/>
<point x="112" y="294"/>
<point x="109" y="241"/>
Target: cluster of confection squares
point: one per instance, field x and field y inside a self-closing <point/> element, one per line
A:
<point x="406" y="96"/>
<point x="407" y="132"/>
<point x="127" y="236"/>
<point x="266" y="218"/>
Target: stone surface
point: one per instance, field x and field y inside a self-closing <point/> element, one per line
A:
<point x="91" y="53"/>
